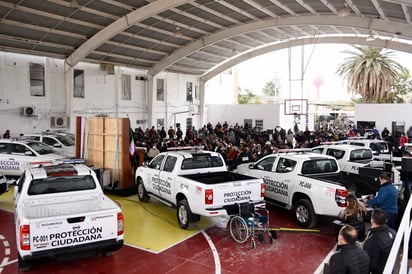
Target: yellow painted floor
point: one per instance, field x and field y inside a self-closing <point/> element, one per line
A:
<point x="151" y="226"/>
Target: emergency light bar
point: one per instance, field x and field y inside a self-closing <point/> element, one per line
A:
<point x="186" y="148"/>
<point x="73" y="161"/>
<point x="297" y="150"/>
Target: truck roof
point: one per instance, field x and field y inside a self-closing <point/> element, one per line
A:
<point x="306" y="155"/>
<point x="186" y="153"/>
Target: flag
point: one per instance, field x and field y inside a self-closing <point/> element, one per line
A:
<point x="132" y="147"/>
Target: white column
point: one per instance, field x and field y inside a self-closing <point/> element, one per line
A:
<point x="69" y="85"/>
<point x="149" y="96"/>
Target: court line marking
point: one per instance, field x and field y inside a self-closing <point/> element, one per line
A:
<point x="5" y="260"/>
<point x="216" y="258"/>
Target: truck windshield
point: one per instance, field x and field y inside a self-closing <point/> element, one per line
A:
<point x="319" y="166"/>
<point x="65" y="140"/>
<point x="61" y="184"/>
<point x="202" y="161"/>
<point x="41" y="148"/>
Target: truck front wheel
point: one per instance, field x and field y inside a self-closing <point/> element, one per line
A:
<point x="184" y="215"/>
<point x="304" y="214"/>
<point x="141" y="191"/>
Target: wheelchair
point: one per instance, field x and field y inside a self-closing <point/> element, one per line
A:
<point x="251" y="222"/>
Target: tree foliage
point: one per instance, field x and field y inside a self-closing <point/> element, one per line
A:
<point x="248" y="97"/>
<point x="372" y="74"/>
<point x="271" y="88"/>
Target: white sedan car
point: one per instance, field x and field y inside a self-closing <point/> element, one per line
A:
<point x="18" y="155"/>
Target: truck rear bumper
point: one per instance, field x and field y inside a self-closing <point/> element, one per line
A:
<point x="73" y="252"/>
<point x="233" y="209"/>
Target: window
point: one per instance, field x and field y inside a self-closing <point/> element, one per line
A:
<point x="160" y="123"/>
<point x="170" y="163"/>
<point x="60" y="184"/>
<point x="266" y="164"/>
<point x="285" y="165"/>
<point x="247" y="123"/>
<point x="156" y="162"/>
<point x="338" y="154"/>
<point x="36" y="79"/>
<point x="189" y="92"/>
<point x="18" y="149"/>
<point x="189" y="123"/>
<point x="259" y="124"/>
<point x="126" y="90"/>
<point x="160" y="89"/>
<point x="49" y="141"/>
<point x="78" y="76"/>
<point x="197" y="92"/>
<point x="3" y="148"/>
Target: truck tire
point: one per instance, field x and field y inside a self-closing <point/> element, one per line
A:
<point x="141" y="191"/>
<point x="23" y="266"/>
<point x="184" y="215"/>
<point x="304" y="214"/>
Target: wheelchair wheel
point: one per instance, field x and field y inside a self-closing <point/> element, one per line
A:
<point x="239" y="229"/>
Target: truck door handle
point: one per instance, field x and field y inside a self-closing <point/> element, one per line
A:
<point x="76" y="220"/>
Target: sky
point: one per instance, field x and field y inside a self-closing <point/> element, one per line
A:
<point x="320" y="65"/>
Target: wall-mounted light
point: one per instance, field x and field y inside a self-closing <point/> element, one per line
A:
<point x="74" y="4"/>
<point x="344" y="10"/>
<point x="371" y="37"/>
<point x="178" y="32"/>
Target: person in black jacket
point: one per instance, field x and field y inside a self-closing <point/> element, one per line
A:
<point x="354" y="214"/>
<point x="378" y="242"/>
<point x="349" y="257"/>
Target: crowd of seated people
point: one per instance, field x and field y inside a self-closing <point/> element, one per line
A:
<point x="237" y="144"/>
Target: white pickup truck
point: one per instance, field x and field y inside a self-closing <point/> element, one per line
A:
<point x="359" y="169"/>
<point x="300" y="181"/>
<point x="198" y="184"/>
<point x="62" y="212"/>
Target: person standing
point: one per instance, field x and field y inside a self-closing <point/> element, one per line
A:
<point x="403" y="140"/>
<point x="6" y="134"/>
<point x="386" y="199"/>
<point x="378" y="242"/>
<point x="354" y="215"/>
<point x="349" y="257"/>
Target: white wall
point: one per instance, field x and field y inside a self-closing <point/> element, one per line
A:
<point x="271" y="114"/>
<point x="384" y="114"/>
<point x="102" y="95"/>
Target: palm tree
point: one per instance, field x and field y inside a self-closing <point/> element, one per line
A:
<point x="271" y="89"/>
<point x="371" y="73"/>
<point x="248" y="98"/>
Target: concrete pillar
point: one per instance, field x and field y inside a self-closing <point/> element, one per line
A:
<point x="149" y="95"/>
<point x="202" y="108"/>
<point x="69" y="85"/>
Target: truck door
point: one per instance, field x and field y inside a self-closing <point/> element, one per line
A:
<point x="153" y="173"/>
<point x="167" y="178"/>
<point x="282" y="179"/>
<point x="264" y="169"/>
<point x="19" y="158"/>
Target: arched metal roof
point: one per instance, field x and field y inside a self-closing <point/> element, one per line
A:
<point x="193" y="37"/>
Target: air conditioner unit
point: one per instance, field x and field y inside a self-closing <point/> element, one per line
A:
<point x="59" y="121"/>
<point x="107" y="68"/>
<point x="28" y="111"/>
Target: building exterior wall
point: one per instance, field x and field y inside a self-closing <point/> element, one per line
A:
<point x="102" y="95"/>
<point x="385" y="114"/>
<point x="271" y="114"/>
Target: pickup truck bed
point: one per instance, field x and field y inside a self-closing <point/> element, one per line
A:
<point x="59" y="206"/>
<point x="61" y="211"/>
